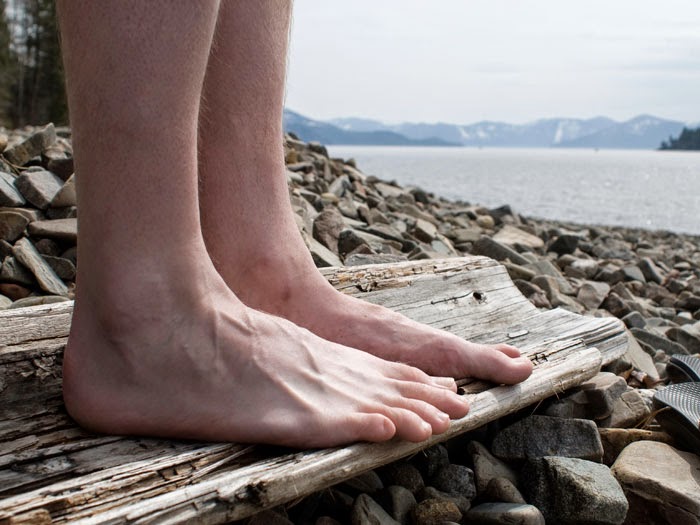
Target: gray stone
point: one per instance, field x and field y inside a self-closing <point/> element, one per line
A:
<point x="64" y="268"/>
<point x="366" y="511"/>
<point x="60" y="229"/>
<point x="369" y="482"/>
<point x="574" y="406"/>
<point x="327" y="227"/>
<point x="26" y="253"/>
<point x="650" y="271"/>
<point x="322" y="256"/>
<point x="66" y="195"/>
<point x="38" y="141"/>
<point x="9" y="196"/>
<point x="14" y="272"/>
<point x="615" y="440"/>
<point x="500" y="513"/>
<point x="462" y="235"/>
<point x="572" y="491"/>
<point x="349" y="241"/>
<point x="487" y="467"/>
<point x="611" y="248"/>
<point x="456" y="480"/>
<point x="563" y="244"/>
<point x="388" y="190"/>
<point x="629" y="410"/>
<point x="269" y="517"/>
<point x="424" y="230"/>
<point x="517" y="271"/>
<point x="432" y="459"/>
<point x="69" y="212"/>
<point x="633" y="273"/>
<point x="634" y="320"/>
<point x="494" y="249"/>
<point x="603" y="392"/>
<point x="545" y="267"/>
<point x="639" y="358"/>
<point x="360" y="259"/>
<point x="658" y="342"/>
<point x="38" y="187"/>
<point x="661" y="483"/>
<point x="12" y="225"/>
<point x="435" y="512"/>
<point x="537" y="436"/>
<point x="401" y="503"/>
<point x="514" y="236"/>
<point x="403" y="474"/>
<point x="502" y="489"/>
<point x="687" y="336"/>
<point x="582" y="268"/>
<point x="592" y="294"/>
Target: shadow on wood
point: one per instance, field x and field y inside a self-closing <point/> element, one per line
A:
<point x="53" y="471"/>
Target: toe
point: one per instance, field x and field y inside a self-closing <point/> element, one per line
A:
<point x="409" y="425"/>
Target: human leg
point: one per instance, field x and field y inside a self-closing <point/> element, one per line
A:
<point x="159" y="345"/>
<point x="248" y="223"/>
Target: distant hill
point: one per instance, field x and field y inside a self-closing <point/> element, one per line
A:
<point x="642" y="132"/>
<point x="327" y="133"/>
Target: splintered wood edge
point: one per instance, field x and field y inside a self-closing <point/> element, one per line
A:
<point x="241" y="493"/>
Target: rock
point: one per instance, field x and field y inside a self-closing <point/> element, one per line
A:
<point x="327" y="227"/>
<point x="494" y="249"/>
<point x="603" y="392"/>
<point x="366" y="511"/>
<point x="686" y="336"/>
<point x="456" y="480"/>
<point x="592" y="294"/>
<point x="572" y="491"/>
<point x="368" y="482"/>
<point x="639" y="358"/>
<point x="385" y="231"/>
<point x="503" y="490"/>
<point x="517" y="271"/>
<point x="403" y="474"/>
<point x="435" y="512"/>
<point x="633" y="273"/>
<point x="611" y="248"/>
<point x="463" y="504"/>
<point x="564" y="244"/>
<point x="60" y="229"/>
<point x="629" y="410"/>
<point x="537" y="436"/>
<point x="486" y="222"/>
<point x="499" y="513"/>
<point x="532" y="292"/>
<point x="14" y="272"/>
<point x="401" y="503"/>
<point x="9" y="196"/>
<point x="432" y="459"/>
<point x="545" y="267"/>
<point x="574" y="405"/>
<point x="69" y="212"/>
<point x="66" y="195"/>
<point x="64" y="268"/>
<point x="13" y="291"/>
<point x="269" y="517"/>
<point x="38" y="187"/>
<point x="349" y="241"/>
<point x="322" y="256"/>
<point x="650" y="271"/>
<point x="12" y="225"/>
<point x="487" y="467"/>
<point x="658" y="342"/>
<point x="513" y="236"/>
<point x="38" y="141"/>
<point x="634" y="320"/>
<point x="462" y="235"/>
<point x="26" y="253"/>
<point x="388" y="190"/>
<point x="615" y="440"/>
<point x="582" y="269"/>
<point x="424" y="231"/>
<point x="661" y="483"/>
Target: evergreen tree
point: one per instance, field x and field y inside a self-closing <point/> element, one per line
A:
<point x="689" y="139"/>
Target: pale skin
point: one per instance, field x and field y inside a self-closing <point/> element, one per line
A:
<point x="179" y="329"/>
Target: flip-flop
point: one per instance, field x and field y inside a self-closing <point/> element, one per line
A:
<point x="679" y="413"/>
<point x="683" y="368"/>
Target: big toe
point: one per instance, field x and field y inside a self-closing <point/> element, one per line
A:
<point x="500" y="366"/>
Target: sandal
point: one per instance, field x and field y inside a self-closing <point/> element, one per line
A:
<point x="679" y="413"/>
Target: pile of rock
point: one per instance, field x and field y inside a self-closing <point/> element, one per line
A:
<point x="38" y="224"/>
<point x="575" y="459"/>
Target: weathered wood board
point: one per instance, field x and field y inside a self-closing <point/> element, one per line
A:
<point x="51" y="471"/>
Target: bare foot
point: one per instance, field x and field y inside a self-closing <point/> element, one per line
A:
<point x="291" y="287"/>
<point x="173" y="360"/>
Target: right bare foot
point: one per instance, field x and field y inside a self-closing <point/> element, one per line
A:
<point x="183" y="362"/>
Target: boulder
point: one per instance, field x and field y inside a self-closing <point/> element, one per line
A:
<point x="499" y="513"/>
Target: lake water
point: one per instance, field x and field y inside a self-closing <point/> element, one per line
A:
<point x="646" y="189"/>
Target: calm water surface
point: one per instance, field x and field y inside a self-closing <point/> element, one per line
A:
<point x="647" y="189"/>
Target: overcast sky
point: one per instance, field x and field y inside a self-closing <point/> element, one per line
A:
<point x="462" y="61"/>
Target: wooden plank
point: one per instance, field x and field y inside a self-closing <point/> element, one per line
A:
<point x="51" y="470"/>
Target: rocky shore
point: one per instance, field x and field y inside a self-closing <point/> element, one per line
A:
<point x="595" y="454"/>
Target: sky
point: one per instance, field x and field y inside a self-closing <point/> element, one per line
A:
<point x="462" y="61"/>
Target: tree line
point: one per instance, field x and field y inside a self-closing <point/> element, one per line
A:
<point x="688" y="139"/>
<point x="31" y="70"/>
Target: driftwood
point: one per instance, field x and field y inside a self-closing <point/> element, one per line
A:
<point x="53" y="471"/>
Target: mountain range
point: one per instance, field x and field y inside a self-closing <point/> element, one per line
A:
<point x="641" y="132"/>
